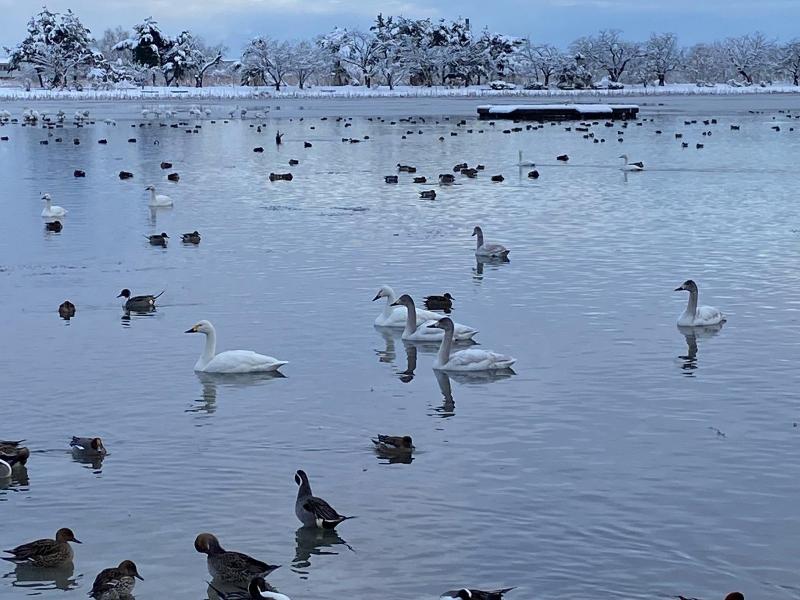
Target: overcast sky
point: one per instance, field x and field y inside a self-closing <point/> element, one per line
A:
<point x="556" y="21"/>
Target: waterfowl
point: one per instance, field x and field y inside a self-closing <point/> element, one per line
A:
<point x="471" y="359"/>
<point x="533" y="174"/>
<point x="158" y="239"/>
<point x="488" y="248"/>
<point x="278" y="138"/>
<point x="5" y="469"/>
<point x="524" y="163"/>
<point x="55" y="226"/>
<point x="395" y="316"/>
<point x="231" y="361"/>
<point x="89" y="446"/>
<point x="390" y="179"/>
<point x="138" y="303"/>
<point x="258" y="588"/>
<point x="258" y="149"/>
<point x="230" y="567"/>
<point x="166" y="165"/>
<point x="424" y="333"/>
<point x="468" y="594"/>
<point x="190" y="238"/>
<point x="444" y="302"/>
<point x="157" y="199"/>
<point x="174" y="177"/>
<point x="393" y="444"/>
<point x="313" y="511"/>
<point x="695" y="316"/>
<point x="428" y="194"/>
<point x="78" y="173"/>
<point x="50" y="210"/>
<point x="306" y="144"/>
<point x="45" y="552"/>
<point x="116" y="583"/>
<point x="66" y="310"/>
<point x="13" y="455"/>
<point x="125" y="175"/>
<point x="446" y="178"/>
<point x="631" y="166"/>
<point x="562" y="157"/>
<point x="420" y="180"/>
<point x="498" y="178"/>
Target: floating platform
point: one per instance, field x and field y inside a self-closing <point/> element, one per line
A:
<point x="557" y="112"/>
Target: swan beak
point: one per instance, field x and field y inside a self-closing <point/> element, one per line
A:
<point x="192" y="330"/>
<point x="434" y="325"/>
<point x="679" y="289"/>
<point x="473" y="234"/>
<point x="377" y="297"/>
<point x="395" y="303"/>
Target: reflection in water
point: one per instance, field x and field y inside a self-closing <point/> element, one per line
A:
<point x="692" y="334"/>
<point x="312" y="541"/>
<point x="496" y="261"/>
<point x="388" y="354"/>
<point x="126" y="315"/>
<point x="37" y="578"/>
<point x="211" y="382"/>
<point x="448" y="408"/>
<point x="393" y="458"/>
<point x="92" y="461"/>
<point x="411" y="362"/>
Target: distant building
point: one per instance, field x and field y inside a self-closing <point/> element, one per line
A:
<point x="5" y="64"/>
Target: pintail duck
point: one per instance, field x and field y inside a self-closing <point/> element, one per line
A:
<point x="393" y="444"/>
<point x="138" y="303"/>
<point x="158" y="239"/>
<point x="490" y="249"/>
<point x="469" y="594"/>
<point x="116" y="583"/>
<point x="190" y="238"/>
<point x="45" y="552"/>
<point x="13" y="455"/>
<point x="444" y="302"/>
<point x="313" y="511"/>
<point x="230" y="567"/>
<point x="66" y="310"/>
<point x="258" y="588"/>
<point x="88" y="446"/>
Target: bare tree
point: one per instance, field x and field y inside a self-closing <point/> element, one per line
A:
<point x="268" y="60"/>
<point x="749" y="54"/>
<point x="360" y="49"/>
<point x="308" y="59"/>
<point x="662" y="55"/>
<point x="607" y="52"/>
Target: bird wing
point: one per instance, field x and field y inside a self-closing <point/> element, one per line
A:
<point x="244" y="563"/>
<point x="708" y="315"/>
<point x="106" y="579"/>
<point x="321" y="509"/>
<point x="33" y="549"/>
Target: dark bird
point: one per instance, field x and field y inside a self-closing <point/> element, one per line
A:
<point x="444" y="302"/>
<point x="158" y="239"/>
<point x="533" y="174"/>
<point x="55" y="226"/>
<point x="67" y="310"/>
<point x="420" y="180"/>
<point x="125" y="175"/>
<point x="278" y="138"/>
<point x="306" y="144"/>
<point x="313" y="511"/>
<point x="143" y="303"/>
<point x="166" y="165"/>
<point x="390" y="179"/>
<point x="428" y="194"/>
<point x="469" y="594"/>
<point x="190" y="238"/>
<point x="562" y="157"/>
<point x="498" y="178"/>
<point x="116" y="582"/>
<point x="174" y="177"/>
<point x="79" y="173"/>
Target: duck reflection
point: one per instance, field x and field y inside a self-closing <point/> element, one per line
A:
<point x="480" y="261"/>
<point x="692" y="334"/>
<point x="93" y="462"/>
<point x="312" y="541"/>
<point x="411" y="362"/>
<point x="38" y="578"/>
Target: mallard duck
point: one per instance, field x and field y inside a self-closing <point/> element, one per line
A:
<point x="230" y="567"/>
<point x="45" y="552"/>
<point x="116" y="583"/>
<point x="190" y="238"/>
<point x="444" y="302"/>
<point x="313" y="511"/>
<point x="393" y="444"/>
<point x="144" y="303"/>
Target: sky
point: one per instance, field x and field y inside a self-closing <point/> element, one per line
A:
<point x="233" y="22"/>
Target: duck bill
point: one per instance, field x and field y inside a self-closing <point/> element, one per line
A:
<point x="395" y="304"/>
<point x="120" y="296"/>
<point x="77" y="541"/>
<point x="139" y="577"/>
<point x="433" y="326"/>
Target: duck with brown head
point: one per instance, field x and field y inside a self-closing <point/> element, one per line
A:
<point x="88" y="446"/>
<point x="227" y="566"/>
<point x="116" y="583"/>
<point x="45" y="552"/>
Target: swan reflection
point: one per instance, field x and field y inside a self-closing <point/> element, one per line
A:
<point x="691" y="335"/>
<point x="492" y="261"/>
<point x="445" y="379"/>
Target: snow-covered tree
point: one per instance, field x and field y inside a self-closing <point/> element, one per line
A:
<point x="573" y="74"/>
<point x="544" y="60"/>
<point x="57" y="45"/>
<point x="308" y="60"/>
<point x="662" y="55"/>
<point x="607" y="52"/>
<point x="108" y="42"/>
<point x="148" y="45"/>
<point x="391" y="57"/>
<point x="359" y="49"/>
<point x="208" y="59"/>
<point x="703" y="63"/>
<point x="790" y="60"/>
<point x="268" y="60"/>
<point x="181" y="58"/>
<point x="750" y="54"/>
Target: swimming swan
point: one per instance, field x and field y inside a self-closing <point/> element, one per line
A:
<point x="157" y="199"/>
<point x="232" y="361"/>
<point x="424" y="333"/>
<point x="488" y="248"/>
<point x="395" y="316"/>
<point x="471" y="359"/>
<point x="525" y="163"/>
<point x="634" y="166"/>
<point x="695" y="316"/>
<point x="50" y="210"/>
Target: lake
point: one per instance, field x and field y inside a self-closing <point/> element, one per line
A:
<point x="622" y="458"/>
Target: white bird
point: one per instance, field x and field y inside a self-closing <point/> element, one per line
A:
<point x="195" y="112"/>
<point x="471" y="359"/>
<point x="50" y="210"/>
<point x="110" y="122"/>
<point x="395" y="316"/>
<point x="424" y="333"/>
<point x="231" y="361"/>
<point x="525" y="163"/>
<point x="4" y="116"/>
<point x="631" y="166"/>
<point x="490" y="249"/>
<point x="157" y="199"/>
<point x="5" y="469"/>
<point x="695" y="316"/>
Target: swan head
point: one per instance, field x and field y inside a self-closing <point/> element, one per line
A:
<point x="404" y="300"/>
<point x="128" y="567"/>
<point x="206" y="543"/>
<point x="300" y="477"/>
<point x="445" y="323"/>
<point x="687" y="286"/>
<point x="126" y="293"/>
<point x="384" y="292"/>
<point x="150" y="188"/>
<point x="46" y="197"/>
<point x="477" y="230"/>
<point x="201" y="327"/>
<point x="623" y="156"/>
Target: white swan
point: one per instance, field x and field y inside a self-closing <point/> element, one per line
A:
<point x="395" y="316"/>
<point x="50" y="210"/>
<point x="695" y="316"/>
<point x="157" y="199"/>
<point x="634" y="166"/>
<point x="488" y="248"/>
<point x="471" y="359"/>
<point x="5" y="469"/>
<point x="424" y="333"/>
<point x="525" y="163"/>
<point x="232" y="361"/>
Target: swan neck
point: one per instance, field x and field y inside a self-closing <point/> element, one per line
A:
<point x="411" y="318"/>
<point x="691" y="307"/>
<point x="389" y="309"/>
<point x="480" y="239"/>
<point x="211" y="347"/>
<point x="444" y="350"/>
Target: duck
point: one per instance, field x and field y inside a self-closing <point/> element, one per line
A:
<point x="562" y="157"/>
<point x="158" y="239"/>
<point x="695" y="316"/>
<point x="631" y="166"/>
<point x="157" y="199"/>
<point x="258" y="588"/>
<point x="66" y="310"/>
<point x="88" y="446"/>
<point x="45" y="552"/>
<point x="428" y="194"/>
<point x="395" y="316"/>
<point x="444" y="302"/>
<point x="471" y="359"/>
<point x="490" y="249"/>
<point x="190" y="238"/>
<point x="313" y="511"/>
<point x="13" y="455"/>
<point x="50" y="210"/>
<point x="231" y="361"/>
<point x="144" y="303"/>
<point x="524" y="163"/>
<point x="230" y="567"/>
<point x="470" y="594"/>
<point x="54" y="226"/>
<point x="423" y="333"/>
<point x="5" y="469"/>
<point x="125" y="175"/>
<point x="393" y="444"/>
<point x="116" y="583"/>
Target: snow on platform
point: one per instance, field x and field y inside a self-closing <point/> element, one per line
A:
<point x="559" y="112"/>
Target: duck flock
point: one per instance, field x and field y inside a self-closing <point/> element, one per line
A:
<point x="236" y="575"/>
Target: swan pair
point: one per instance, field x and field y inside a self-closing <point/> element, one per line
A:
<point x="424" y="333"/>
<point x="50" y="210"/>
<point x="695" y="316"/>
<point x="231" y="361"/>
<point x="157" y="199"/>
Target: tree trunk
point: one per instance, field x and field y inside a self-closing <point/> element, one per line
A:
<point x="546" y="79"/>
<point x="662" y="77"/>
<point x="796" y="78"/>
<point x="277" y="85"/>
<point x="198" y="80"/>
